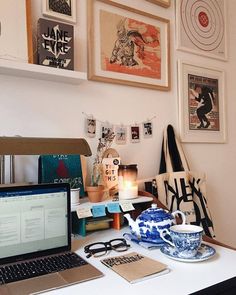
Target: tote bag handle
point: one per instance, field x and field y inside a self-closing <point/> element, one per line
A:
<point x="175" y="159"/>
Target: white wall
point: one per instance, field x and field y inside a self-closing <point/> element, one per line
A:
<point x="40" y="108"/>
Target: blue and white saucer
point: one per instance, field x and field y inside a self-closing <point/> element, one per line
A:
<point x="144" y="243"/>
<point x="204" y="252"/>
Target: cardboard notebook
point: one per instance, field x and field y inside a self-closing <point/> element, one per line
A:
<point x="135" y="267"/>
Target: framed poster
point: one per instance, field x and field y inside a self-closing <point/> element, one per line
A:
<point x="201" y="103"/>
<point x="163" y="3"/>
<point x="60" y="9"/>
<point x="201" y="27"/>
<point x="127" y="46"/>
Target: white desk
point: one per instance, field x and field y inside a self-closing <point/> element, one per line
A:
<point x="184" y="278"/>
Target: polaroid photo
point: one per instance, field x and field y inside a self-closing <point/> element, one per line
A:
<point x="135" y="133"/>
<point x="147" y="129"/>
<point x="121" y="134"/>
<point x="106" y="129"/>
<point x="90" y="127"/>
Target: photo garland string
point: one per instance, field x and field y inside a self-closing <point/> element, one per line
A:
<point x="120" y="131"/>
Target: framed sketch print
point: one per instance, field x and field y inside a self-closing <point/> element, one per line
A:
<point x="127" y="46"/>
<point x="163" y="3"/>
<point x="201" y="103"/>
<point x="60" y="9"/>
<point x="201" y="27"/>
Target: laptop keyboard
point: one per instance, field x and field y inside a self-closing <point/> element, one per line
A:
<point x="39" y="267"/>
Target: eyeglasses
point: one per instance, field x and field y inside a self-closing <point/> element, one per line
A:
<point x="101" y="248"/>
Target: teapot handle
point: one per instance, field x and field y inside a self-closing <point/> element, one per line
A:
<point x="182" y="215"/>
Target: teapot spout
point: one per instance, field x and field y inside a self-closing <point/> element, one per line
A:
<point x="133" y="224"/>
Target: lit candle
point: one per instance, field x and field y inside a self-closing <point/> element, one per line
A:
<point x="128" y="190"/>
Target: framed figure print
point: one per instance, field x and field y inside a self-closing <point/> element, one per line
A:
<point x="201" y="27"/>
<point x="163" y="3"/>
<point x="64" y="10"/>
<point x="201" y="103"/>
<point x="127" y="46"/>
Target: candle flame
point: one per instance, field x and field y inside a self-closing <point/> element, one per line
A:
<point x="127" y="184"/>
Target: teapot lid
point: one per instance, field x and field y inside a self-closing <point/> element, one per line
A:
<point x="155" y="214"/>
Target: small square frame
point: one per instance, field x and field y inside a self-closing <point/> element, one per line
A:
<point x="59" y="15"/>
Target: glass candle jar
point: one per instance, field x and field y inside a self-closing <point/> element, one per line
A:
<point x="127" y="181"/>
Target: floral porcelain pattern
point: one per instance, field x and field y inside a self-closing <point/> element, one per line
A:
<point x="204" y="252"/>
<point x="150" y="222"/>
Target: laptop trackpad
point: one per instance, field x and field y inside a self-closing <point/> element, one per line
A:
<point x="37" y="284"/>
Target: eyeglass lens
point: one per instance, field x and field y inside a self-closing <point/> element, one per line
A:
<point x="101" y="248"/>
<point x="96" y="249"/>
<point x="119" y="245"/>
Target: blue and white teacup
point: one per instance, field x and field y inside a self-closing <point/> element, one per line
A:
<point x="186" y="239"/>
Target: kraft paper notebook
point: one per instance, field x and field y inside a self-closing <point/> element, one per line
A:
<point x="135" y="267"/>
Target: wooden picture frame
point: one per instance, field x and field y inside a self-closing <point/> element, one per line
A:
<point x="66" y="13"/>
<point x="201" y="27"/>
<point x="163" y="3"/>
<point x="201" y="103"/>
<point x="14" y="29"/>
<point x="127" y="46"/>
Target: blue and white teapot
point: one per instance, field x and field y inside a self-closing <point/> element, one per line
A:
<point x="150" y="222"/>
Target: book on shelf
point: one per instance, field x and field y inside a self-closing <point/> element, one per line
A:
<point x="61" y="168"/>
<point x="98" y="223"/>
<point x="55" y="44"/>
<point x="135" y="267"/>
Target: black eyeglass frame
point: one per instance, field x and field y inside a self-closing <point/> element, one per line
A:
<point x="105" y="247"/>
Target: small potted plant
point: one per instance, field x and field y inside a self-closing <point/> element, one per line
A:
<point x="74" y="192"/>
<point x="96" y="189"/>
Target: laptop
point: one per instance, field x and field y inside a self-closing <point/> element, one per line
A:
<point x="35" y="240"/>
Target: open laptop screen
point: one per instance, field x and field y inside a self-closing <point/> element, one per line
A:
<point x="34" y="220"/>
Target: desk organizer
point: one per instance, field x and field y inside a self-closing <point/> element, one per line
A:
<point x="115" y="218"/>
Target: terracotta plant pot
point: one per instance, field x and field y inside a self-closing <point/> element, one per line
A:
<point x="95" y="193"/>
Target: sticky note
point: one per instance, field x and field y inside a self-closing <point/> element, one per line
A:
<point x="127" y="206"/>
<point x="113" y="207"/>
<point x="84" y="212"/>
<point x="99" y="210"/>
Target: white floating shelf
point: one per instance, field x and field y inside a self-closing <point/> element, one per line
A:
<point x="39" y="72"/>
<point x="84" y="202"/>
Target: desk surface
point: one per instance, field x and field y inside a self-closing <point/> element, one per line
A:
<point x="183" y="278"/>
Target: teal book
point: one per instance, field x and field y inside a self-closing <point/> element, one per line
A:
<point x="61" y="168"/>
